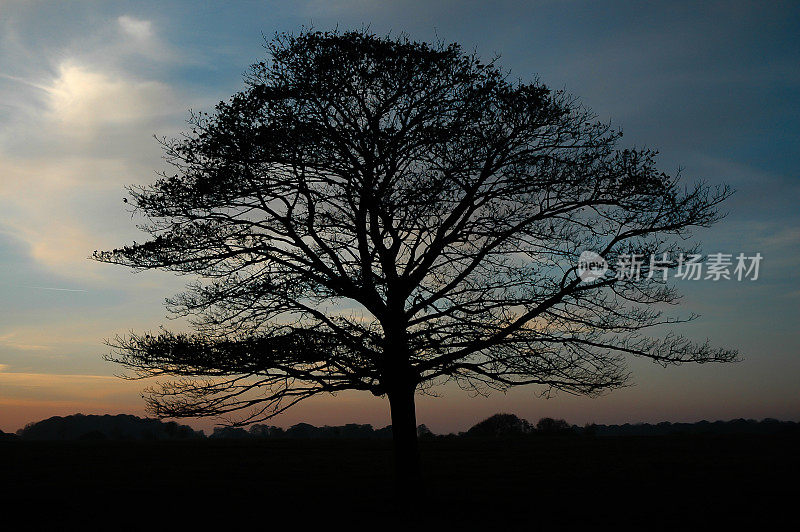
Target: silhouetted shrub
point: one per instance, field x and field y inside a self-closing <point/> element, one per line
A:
<point x="548" y="425"/>
<point x="424" y="433"/>
<point x="500" y="425"/>
<point x="234" y="433"/>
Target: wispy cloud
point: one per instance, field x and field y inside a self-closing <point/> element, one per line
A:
<point x="73" y="135"/>
<point x="53" y="379"/>
<point x="54" y="289"/>
<point x="82" y="100"/>
<point x="138" y="29"/>
<point x="8" y="340"/>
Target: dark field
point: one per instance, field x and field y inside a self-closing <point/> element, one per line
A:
<point x="654" y="481"/>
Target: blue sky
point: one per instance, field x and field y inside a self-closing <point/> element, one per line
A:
<point x="84" y="86"/>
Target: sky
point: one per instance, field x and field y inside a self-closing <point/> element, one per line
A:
<point x="85" y="86"/>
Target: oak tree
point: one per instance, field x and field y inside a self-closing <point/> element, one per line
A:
<point x="373" y="213"/>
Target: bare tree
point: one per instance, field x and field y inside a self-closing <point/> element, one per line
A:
<point x="379" y="214"/>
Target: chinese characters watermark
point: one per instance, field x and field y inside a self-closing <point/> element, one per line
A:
<point x="688" y="267"/>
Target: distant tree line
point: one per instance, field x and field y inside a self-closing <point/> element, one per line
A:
<point x="106" y="427"/>
<point x="305" y="431"/>
<point x="128" y="427"/>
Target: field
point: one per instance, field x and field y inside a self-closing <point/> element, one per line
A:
<point x="656" y="481"/>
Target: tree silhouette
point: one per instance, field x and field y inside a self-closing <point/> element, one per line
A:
<point x="549" y="425"/>
<point x="501" y="425"/>
<point x="379" y="214"/>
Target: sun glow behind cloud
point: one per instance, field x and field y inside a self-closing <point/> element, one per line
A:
<point x="79" y="132"/>
<point x="81" y="100"/>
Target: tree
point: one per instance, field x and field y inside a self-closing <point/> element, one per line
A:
<point x="501" y="425"/>
<point x="549" y="425"/>
<point x="385" y="215"/>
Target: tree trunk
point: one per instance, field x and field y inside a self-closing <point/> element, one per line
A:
<point x="406" y="451"/>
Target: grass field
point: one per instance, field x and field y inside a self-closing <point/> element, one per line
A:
<point x="657" y="480"/>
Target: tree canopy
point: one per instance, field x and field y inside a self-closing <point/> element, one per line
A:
<point x="379" y="214"/>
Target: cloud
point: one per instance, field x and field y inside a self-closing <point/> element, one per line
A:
<point x="138" y="29"/>
<point x="784" y="237"/>
<point x="81" y="99"/>
<point x="40" y="206"/>
<point x="78" y="392"/>
<point x="72" y="137"/>
<point x="138" y="37"/>
<point x="7" y="340"/>
<point x="53" y="379"/>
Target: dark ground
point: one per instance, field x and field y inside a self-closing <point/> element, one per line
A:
<point x="652" y="481"/>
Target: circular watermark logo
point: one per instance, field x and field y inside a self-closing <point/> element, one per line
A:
<point x="591" y="266"/>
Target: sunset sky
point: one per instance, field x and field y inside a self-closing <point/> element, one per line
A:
<point x="84" y="86"/>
